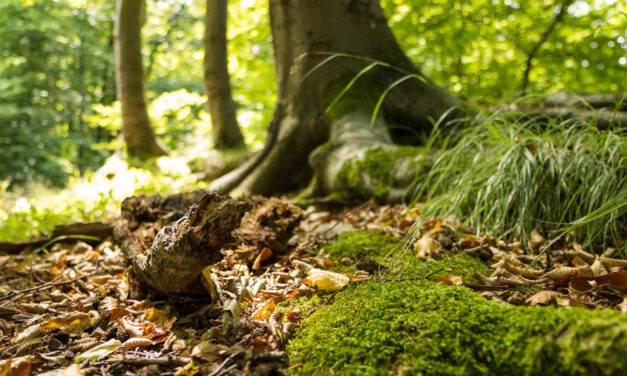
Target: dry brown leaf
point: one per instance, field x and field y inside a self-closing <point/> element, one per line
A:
<point x="616" y="281"/>
<point x="450" y="279"/>
<point x="135" y="342"/>
<point x="536" y="240"/>
<point x="5" y="367"/>
<point x="562" y="273"/>
<point x="73" y="370"/>
<point x="20" y="366"/>
<point x="207" y="351"/>
<point x="160" y="317"/>
<point x="610" y="262"/>
<point x="426" y="246"/>
<point x="488" y="281"/>
<point x="518" y="269"/>
<point x="579" y="252"/>
<point x="132" y="328"/>
<point x="544" y="297"/>
<point x="264" y="255"/>
<point x="264" y="310"/>
<point x="74" y="322"/>
<point x="597" y="267"/>
<point x="326" y="280"/>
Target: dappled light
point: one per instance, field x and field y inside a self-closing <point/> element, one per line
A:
<point x="309" y="187"/>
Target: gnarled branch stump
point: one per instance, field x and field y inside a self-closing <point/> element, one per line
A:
<point x="180" y="250"/>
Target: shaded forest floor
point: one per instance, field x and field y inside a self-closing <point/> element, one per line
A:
<point x="329" y="288"/>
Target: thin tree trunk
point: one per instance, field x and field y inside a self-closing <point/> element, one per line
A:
<point x="138" y="134"/>
<point x="304" y="33"/>
<point x="226" y="132"/>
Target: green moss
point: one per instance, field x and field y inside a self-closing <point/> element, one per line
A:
<point x="356" y="244"/>
<point x="421" y="327"/>
<point x="428" y="328"/>
<point x="379" y="165"/>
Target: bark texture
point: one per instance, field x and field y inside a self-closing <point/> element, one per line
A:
<point x="362" y="161"/>
<point x="226" y="132"/>
<point x="303" y="30"/>
<point x="171" y="259"/>
<point x="129" y="74"/>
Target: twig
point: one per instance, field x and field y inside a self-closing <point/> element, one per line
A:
<point x="486" y="287"/>
<point x="46" y="286"/>
<point x="226" y="362"/>
<point x="161" y="361"/>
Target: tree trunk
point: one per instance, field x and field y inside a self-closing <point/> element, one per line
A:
<point x="138" y="134"/>
<point x="303" y="30"/>
<point x="226" y="132"/>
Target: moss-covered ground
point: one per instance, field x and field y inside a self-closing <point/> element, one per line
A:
<point x="418" y="326"/>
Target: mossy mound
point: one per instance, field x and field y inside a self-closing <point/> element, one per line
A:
<point x="356" y="244"/>
<point x="420" y="327"/>
<point x="379" y="171"/>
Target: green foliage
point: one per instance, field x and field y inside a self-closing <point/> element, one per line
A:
<point x="508" y="178"/>
<point x="425" y="328"/>
<point x="97" y="196"/>
<point x="478" y="48"/>
<point x="54" y="60"/>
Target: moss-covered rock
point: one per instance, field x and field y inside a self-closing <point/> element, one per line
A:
<point x="420" y="327"/>
<point x="381" y="171"/>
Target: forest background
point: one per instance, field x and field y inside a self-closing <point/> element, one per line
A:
<point x="60" y="123"/>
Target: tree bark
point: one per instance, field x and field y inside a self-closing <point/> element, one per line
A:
<point x="138" y="135"/>
<point x="226" y="132"/>
<point x="304" y="33"/>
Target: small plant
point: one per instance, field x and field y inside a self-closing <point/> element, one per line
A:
<point x="509" y="177"/>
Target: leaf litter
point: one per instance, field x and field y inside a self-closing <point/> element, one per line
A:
<point x="78" y="309"/>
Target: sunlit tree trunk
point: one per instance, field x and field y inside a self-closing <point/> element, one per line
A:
<point x="301" y="30"/>
<point x="138" y="134"/>
<point x="226" y="132"/>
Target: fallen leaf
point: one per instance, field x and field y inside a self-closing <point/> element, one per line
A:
<point x="265" y="254"/>
<point x="99" y="352"/>
<point x="208" y="280"/>
<point x="326" y="280"/>
<point x="160" y="317"/>
<point x="544" y="297"/>
<point x="450" y="279"/>
<point x="264" y="310"/>
<point x="74" y="322"/>
<point x="73" y="370"/>
<point x="616" y="281"/>
<point x="5" y="367"/>
<point x="536" y="240"/>
<point x="426" y="246"/>
<point x="136" y="342"/>
<point x="561" y="273"/>
<point x="20" y="366"/>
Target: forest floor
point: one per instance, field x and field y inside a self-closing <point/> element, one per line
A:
<point x="332" y="288"/>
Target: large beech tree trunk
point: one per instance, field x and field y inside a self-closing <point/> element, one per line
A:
<point x="226" y="132"/>
<point x="303" y="30"/>
<point x="129" y="74"/>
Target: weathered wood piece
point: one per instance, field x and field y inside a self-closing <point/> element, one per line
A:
<point x="173" y="261"/>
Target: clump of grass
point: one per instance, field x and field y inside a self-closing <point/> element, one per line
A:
<point x="509" y="177"/>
